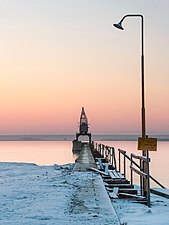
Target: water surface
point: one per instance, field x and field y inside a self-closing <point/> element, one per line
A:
<point x="38" y="152"/>
<point x="60" y="152"/>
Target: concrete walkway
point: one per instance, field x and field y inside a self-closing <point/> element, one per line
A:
<point x="85" y="159"/>
<point x="91" y="201"/>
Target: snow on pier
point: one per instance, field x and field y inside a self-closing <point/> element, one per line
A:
<point x="91" y="199"/>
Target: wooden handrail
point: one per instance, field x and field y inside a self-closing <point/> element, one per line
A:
<point x="139" y="157"/>
<point x="152" y="178"/>
<point x="138" y="172"/>
<point x="123" y="152"/>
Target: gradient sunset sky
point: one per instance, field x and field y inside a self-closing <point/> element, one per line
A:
<point x="57" y="56"/>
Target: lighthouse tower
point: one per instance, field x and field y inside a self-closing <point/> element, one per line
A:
<point x="83" y="128"/>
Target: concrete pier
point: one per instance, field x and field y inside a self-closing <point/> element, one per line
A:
<point x="91" y="201"/>
<point x="85" y="159"/>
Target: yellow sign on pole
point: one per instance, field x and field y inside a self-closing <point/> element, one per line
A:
<point x="147" y="144"/>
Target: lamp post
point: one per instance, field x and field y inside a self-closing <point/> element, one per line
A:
<point x="119" y="26"/>
<point x="143" y="120"/>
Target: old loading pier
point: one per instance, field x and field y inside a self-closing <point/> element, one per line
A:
<point x="108" y="176"/>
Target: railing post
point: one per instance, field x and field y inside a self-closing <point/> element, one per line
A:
<point x="102" y="150"/>
<point x="114" y="158"/>
<point x="125" y="164"/>
<point x="97" y="146"/>
<point x="131" y="171"/>
<point x="107" y="154"/>
<point x="111" y="157"/>
<point x="141" y="178"/>
<point x="119" y="161"/>
<point x="148" y="180"/>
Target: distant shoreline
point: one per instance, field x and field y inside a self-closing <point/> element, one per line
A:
<point x="70" y="137"/>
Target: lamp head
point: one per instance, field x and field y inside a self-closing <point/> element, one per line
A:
<point x="118" y="25"/>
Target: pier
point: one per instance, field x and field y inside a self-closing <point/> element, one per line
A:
<point x="85" y="160"/>
<point x="114" y="174"/>
<point x="102" y="178"/>
<point x="91" y="197"/>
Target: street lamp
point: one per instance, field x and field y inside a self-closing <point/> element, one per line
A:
<point x="146" y="186"/>
<point x="119" y="26"/>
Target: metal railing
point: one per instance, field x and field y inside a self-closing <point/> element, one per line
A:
<point x="122" y="152"/>
<point x="142" y="175"/>
<point x="108" y="153"/>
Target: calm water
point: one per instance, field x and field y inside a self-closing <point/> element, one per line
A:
<point x="38" y="152"/>
<point x="60" y="152"/>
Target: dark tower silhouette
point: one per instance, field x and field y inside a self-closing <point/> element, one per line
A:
<point x="83" y="128"/>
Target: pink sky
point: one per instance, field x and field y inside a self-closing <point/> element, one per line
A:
<point x="59" y="56"/>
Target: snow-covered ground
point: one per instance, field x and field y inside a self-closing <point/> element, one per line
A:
<point x="47" y="195"/>
<point x="134" y="213"/>
<point x="31" y="194"/>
